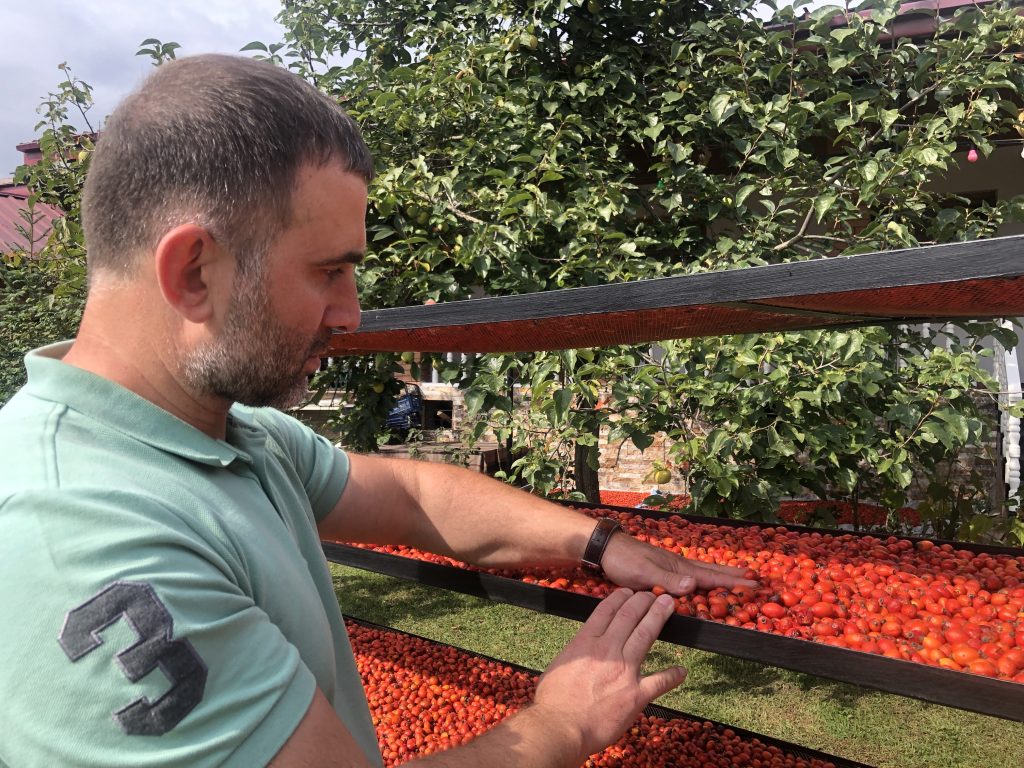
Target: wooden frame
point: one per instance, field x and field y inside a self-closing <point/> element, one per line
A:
<point x="971" y="280"/>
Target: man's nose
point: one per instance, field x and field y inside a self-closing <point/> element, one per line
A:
<point x="344" y="313"/>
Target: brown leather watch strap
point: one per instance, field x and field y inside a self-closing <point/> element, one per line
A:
<point x="598" y="543"/>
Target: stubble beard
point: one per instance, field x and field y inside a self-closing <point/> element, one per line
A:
<point x="257" y="360"/>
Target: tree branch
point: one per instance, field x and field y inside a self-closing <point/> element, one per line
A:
<point x="800" y="233"/>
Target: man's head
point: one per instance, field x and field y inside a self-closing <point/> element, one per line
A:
<point x="213" y="140"/>
<point x="276" y="323"/>
<point x="232" y="194"/>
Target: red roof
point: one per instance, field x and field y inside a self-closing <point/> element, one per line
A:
<point x="12" y="202"/>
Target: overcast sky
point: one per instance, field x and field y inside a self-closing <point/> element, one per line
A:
<point x="98" y="39"/>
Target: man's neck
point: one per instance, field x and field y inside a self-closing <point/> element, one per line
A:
<point x="115" y="351"/>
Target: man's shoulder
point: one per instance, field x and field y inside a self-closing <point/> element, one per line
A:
<point x="29" y="426"/>
<point x="287" y="436"/>
<point x="48" y="446"/>
<point x="66" y="515"/>
<point x="277" y="423"/>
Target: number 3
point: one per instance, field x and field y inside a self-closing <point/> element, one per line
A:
<point x="149" y="618"/>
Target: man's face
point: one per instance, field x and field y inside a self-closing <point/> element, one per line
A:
<point x="279" y="320"/>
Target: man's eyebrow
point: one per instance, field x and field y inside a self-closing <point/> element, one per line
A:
<point x="349" y="257"/>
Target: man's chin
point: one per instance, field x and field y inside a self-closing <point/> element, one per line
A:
<point x="282" y="398"/>
<point x="312" y="364"/>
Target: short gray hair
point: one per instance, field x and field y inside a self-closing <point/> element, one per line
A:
<point x="215" y="140"/>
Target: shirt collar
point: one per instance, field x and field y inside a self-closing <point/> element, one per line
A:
<point x="49" y="378"/>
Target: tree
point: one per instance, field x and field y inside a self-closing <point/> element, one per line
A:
<point x="42" y="285"/>
<point x="542" y="144"/>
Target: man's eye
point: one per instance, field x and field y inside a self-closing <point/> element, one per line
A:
<point x="333" y="274"/>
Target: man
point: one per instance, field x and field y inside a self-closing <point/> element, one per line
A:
<point x="224" y="217"/>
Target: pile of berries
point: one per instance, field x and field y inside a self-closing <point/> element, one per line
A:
<point x="426" y="697"/>
<point x="922" y="602"/>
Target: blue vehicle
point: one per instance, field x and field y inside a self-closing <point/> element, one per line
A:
<point x="408" y="411"/>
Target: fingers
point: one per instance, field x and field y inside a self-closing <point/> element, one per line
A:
<point x="661" y="682"/>
<point x="640" y="640"/>
<point x="727" y="570"/>
<point x="597" y="624"/>
<point x="709" y="578"/>
<point x="628" y="618"/>
<point x="684" y="585"/>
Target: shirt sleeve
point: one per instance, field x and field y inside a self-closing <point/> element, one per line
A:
<point x="322" y="467"/>
<point x="129" y="644"/>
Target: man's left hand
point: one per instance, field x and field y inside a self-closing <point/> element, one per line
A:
<point x="634" y="564"/>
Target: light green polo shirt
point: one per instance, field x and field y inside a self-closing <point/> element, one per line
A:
<point x="164" y="600"/>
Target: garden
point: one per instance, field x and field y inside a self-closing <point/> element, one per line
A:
<point x="531" y="146"/>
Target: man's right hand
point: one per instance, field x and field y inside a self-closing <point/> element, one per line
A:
<point x="589" y="695"/>
<point x="593" y="689"/>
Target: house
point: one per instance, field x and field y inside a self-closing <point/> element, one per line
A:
<point x="20" y="230"/>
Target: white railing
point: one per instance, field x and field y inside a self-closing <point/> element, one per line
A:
<point x="1008" y="375"/>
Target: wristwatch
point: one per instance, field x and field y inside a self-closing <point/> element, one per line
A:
<point x="598" y="544"/>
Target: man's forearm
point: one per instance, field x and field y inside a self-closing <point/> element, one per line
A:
<point x="469" y="516"/>
<point x="456" y="512"/>
<point x="528" y="738"/>
<point x="452" y="511"/>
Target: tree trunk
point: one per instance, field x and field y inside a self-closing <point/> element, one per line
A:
<point x="587" y="481"/>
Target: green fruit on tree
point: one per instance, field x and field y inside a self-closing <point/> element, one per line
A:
<point x="378" y="387"/>
<point x="408" y="357"/>
<point x="662" y="476"/>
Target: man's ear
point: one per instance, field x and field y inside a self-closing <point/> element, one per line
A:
<point x="189" y="265"/>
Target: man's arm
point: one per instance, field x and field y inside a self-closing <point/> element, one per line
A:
<point x="471" y="517"/>
<point x="591" y="692"/>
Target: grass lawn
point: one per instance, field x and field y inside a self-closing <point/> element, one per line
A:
<point x="875" y="728"/>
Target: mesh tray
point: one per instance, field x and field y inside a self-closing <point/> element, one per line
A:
<point x="652" y="710"/>
<point x="978" y="279"/>
<point x="991" y="549"/>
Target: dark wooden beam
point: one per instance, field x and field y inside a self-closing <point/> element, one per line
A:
<point x="972" y="280"/>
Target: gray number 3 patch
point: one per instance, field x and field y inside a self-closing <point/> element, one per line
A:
<point x="146" y="614"/>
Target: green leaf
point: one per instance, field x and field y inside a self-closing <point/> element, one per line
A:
<point x="822" y="203"/>
<point x="842" y="123"/>
<point x="928" y="156"/>
<point x="743" y="193"/>
<point x="641" y="441"/>
<point x="715" y="441"/>
<point x="956" y="423"/>
<point x="887" y="117"/>
<point x="474" y="399"/>
<point x="842" y="34"/>
<point x="787" y="155"/>
<point x="562" y="399"/>
<point x="718" y="105"/>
